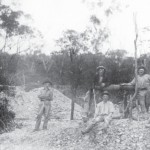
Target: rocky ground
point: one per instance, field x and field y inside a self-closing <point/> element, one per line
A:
<point x="63" y="134"/>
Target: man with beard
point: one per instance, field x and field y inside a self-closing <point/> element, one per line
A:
<point x="93" y="95"/>
<point x="143" y="84"/>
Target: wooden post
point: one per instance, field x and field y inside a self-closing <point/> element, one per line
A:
<point x="72" y="110"/>
<point x="72" y="103"/>
<point x="135" y="46"/>
<point x="136" y="69"/>
<point x="24" y="79"/>
<point x="72" y="85"/>
<point x="125" y="104"/>
<point x="136" y="74"/>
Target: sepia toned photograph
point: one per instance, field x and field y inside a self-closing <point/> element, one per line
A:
<point x="74" y="75"/>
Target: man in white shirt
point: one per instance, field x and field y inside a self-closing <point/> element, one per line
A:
<point x="99" y="83"/>
<point x="104" y="112"/>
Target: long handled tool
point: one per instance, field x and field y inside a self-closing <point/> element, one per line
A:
<point x="95" y="104"/>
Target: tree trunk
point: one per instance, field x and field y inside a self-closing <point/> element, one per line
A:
<point x="24" y="79"/>
<point x="72" y="110"/>
<point x="135" y="47"/>
<point x="73" y="91"/>
<point x="4" y="46"/>
<point x="126" y="113"/>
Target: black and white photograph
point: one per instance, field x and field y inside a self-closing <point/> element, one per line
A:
<point x="74" y="75"/>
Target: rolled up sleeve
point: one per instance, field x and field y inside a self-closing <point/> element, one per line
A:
<point x="97" y="111"/>
<point x="111" y="108"/>
<point x="40" y="96"/>
<point x="132" y="82"/>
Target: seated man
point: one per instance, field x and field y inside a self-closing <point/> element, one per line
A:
<point x="104" y="112"/>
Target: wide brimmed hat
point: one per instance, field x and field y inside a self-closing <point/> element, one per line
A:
<point x="100" y="67"/>
<point x="142" y="67"/>
<point x="47" y="81"/>
<point x="106" y="93"/>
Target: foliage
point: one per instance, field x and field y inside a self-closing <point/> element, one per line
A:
<point x="108" y="7"/>
<point x="19" y="38"/>
<point x="35" y="67"/>
<point x="6" y="116"/>
<point x="119" y="70"/>
<point x="95" y="36"/>
<point x="15" y="35"/>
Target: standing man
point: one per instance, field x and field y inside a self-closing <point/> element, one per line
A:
<point x="45" y="96"/>
<point x="100" y="78"/>
<point x="100" y="82"/>
<point x="104" y="112"/>
<point x="143" y="83"/>
<point x="94" y="93"/>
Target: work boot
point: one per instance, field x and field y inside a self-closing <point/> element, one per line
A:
<point x="87" y="130"/>
<point x="85" y="119"/>
<point x="104" y="130"/>
<point x="35" y="130"/>
<point x="84" y="132"/>
<point x="134" y="118"/>
<point x="44" y="128"/>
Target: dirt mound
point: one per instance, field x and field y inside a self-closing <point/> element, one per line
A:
<point x="122" y="134"/>
<point x="26" y="104"/>
<point x="63" y="134"/>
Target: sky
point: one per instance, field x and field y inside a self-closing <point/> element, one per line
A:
<point x="52" y="17"/>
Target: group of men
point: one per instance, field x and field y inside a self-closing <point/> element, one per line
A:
<point x="104" y="107"/>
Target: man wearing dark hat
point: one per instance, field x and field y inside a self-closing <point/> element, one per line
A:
<point x="103" y="113"/>
<point x="45" y="96"/>
<point x="94" y="93"/>
<point x="143" y="83"/>
<point x="99" y="80"/>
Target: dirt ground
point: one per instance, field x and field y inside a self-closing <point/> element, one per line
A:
<point x="63" y="134"/>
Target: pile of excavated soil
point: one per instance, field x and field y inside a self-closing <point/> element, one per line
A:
<point x="25" y="105"/>
<point x="63" y="134"/>
<point x="122" y="134"/>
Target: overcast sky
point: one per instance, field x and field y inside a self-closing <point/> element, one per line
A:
<point x="54" y="16"/>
